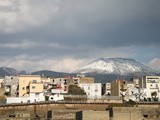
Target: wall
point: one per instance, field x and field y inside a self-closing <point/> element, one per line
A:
<point x="127" y="113"/>
<point x="30" y="99"/>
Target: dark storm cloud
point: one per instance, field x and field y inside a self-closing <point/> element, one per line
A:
<point x="99" y="23"/>
<point x="77" y="29"/>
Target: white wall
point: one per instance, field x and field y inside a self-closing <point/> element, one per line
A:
<point x="36" y="97"/>
<point x="93" y="90"/>
<point x="152" y="85"/>
<point x="31" y="99"/>
<point x="17" y="100"/>
<point x="56" y="97"/>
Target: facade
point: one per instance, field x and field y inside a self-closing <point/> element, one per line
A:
<point x="118" y="87"/>
<point x="86" y="80"/>
<point x="11" y="84"/>
<point x="106" y="89"/>
<point x="30" y="90"/>
<point x="24" y="83"/>
<point x="132" y="92"/>
<point x="151" y="86"/>
<point x="93" y="90"/>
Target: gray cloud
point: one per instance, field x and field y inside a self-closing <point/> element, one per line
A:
<point x="83" y="29"/>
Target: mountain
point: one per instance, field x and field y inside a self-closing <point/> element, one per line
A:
<point x="119" y="66"/>
<point x="115" y="68"/>
<point x="6" y="71"/>
<point x="48" y="73"/>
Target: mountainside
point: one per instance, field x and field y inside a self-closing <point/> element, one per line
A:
<point x="7" y="71"/>
<point x="118" y="66"/>
<point x="4" y="71"/>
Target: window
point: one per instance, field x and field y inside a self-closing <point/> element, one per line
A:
<point x="96" y="90"/>
<point x="33" y="87"/>
<point x="23" y="88"/>
<point x="34" y="81"/>
<point x="37" y="94"/>
<point x="88" y="88"/>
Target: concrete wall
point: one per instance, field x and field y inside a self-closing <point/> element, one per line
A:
<point x="95" y="115"/>
<point x="127" y="113"/>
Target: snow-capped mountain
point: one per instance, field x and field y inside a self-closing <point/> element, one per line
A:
<point x="119" y="66"/>
<point x="8" y="71"/>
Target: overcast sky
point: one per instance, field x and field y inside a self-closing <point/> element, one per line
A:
<point x="64" y="35"/>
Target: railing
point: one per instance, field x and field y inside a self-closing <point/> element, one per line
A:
<point x="95" y="97"/>
<point x="76" y="96"/>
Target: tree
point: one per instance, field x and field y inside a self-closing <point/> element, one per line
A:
<point x="75" y="90"/>
<point x="154" y="94"/>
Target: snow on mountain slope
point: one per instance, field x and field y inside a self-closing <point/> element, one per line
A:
<point x="121" y="66"/>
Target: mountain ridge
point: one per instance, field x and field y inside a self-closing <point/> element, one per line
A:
<point x="120" y="66"/>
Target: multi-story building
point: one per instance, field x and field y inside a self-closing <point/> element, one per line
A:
<point x="25" y="81"/>
<point x="30" y="90"/>
<point x="93" y="90"/>
<point x="118" y="87"/>
<point x="132" y="92"/>
<point x="151" y="86"/>
<point x="11" y="85"/>
<point x="86" y="80"/>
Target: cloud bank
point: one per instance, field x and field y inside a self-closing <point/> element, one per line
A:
<point x="67" y="34"/>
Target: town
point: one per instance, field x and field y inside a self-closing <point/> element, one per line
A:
<point x="37" y="89"/>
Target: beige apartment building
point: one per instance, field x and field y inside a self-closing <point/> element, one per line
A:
<point x="29" y="83"/>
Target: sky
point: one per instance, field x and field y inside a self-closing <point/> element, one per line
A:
<point x="65" y="35"/>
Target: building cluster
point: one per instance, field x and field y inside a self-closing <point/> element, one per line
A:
<point x="35" y="88"/>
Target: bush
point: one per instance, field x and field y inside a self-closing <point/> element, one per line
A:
<point x="75" y="90"/>
<point x="46" y="98"/>
<point x="7" y="93"/>
<point x="131" y="103"/>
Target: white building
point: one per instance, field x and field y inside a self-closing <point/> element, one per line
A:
<point x="33" y="97"/>
<point x="93" y="90"/>
<point x="151" y="84"/>
<point x="132" y="92"/>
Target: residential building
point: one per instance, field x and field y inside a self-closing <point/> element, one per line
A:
<point x="132" y="92"/>
<point x="86" y="79"/>
<point x="151" y="85"/>
<point x="93" y="90"/>
<point x="118" y="87"/>
<point x="30" y="90"/>
<point x="11" y="84"/>
<point x="24" y="83"/>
